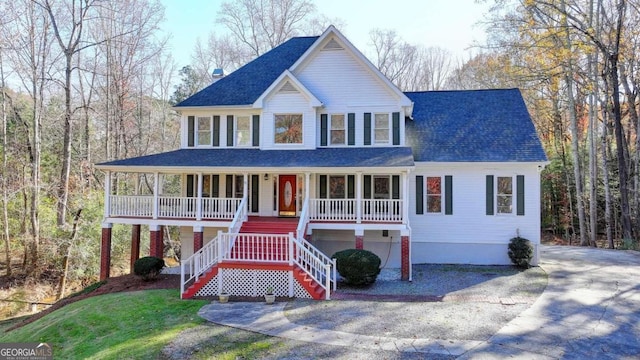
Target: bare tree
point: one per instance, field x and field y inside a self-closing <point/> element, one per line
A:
<point x="68" y="22"/>
<point x="392" y="55"/>
<point x="5" y="168"/>
<point x="262" y="25"/>
<point x="30" y="58"/>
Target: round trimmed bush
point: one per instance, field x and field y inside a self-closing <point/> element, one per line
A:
<point x="520" y="252"/>
<point x="148" y="267"/>
<point x="357" y="267"/>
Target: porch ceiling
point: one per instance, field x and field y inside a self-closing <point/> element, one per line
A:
<point x="348" y="157"/>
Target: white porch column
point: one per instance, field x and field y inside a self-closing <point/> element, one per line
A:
<point x="358" y="197"/>
<point x="156" y="187"/>
<point x="199" y="198"/>
<point x="307" y="184"/>
<point x="107" y="194"/>
<point x="405" y="198"/>
<point x="245" y="190"/>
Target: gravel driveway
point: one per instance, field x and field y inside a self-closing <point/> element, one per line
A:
<point x="442" y="302"/>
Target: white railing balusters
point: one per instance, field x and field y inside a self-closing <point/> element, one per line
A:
<point x="173" y="207"/>
<point x="373" y="210"/>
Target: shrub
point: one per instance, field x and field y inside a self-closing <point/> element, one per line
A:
<point x="148" y="267"/>
<point x="357" y="267"/>
<point x="520" y="252"/>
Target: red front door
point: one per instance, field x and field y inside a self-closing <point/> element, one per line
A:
<point x="287" y="195"/>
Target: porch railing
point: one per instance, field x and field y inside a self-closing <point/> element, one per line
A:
<point x="212" y="252"/>
<point x="371" y="210"/>
<point x="131" y="205"/>
<point x="173" y="207"/>
<point x="317" y="265"/>
<point x="258" y="248"/>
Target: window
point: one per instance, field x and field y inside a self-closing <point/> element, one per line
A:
<point x="504" y="195"/>
<point x="381" y="187"/>
<point x="204" y="131"/>
<point x="434" y="194"/>
<point x="243" y="131"/>
<point x="337" y="129"/>
<point x="381" y="131"/>
<point x="288" y="129"/>
<point x="337" y="187"/>
<point x="239" y="186"/>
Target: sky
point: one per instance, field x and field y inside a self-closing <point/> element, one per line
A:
<point x="449" y="24"/>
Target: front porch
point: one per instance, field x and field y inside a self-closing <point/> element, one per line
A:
<point x="211" y="200"/>
<point x="216" y="206"/>
<point x="119" y="208"/>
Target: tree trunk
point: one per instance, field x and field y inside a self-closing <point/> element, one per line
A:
<point x="65" y="260"/>
<point x="575" y="135"/>
<point x="5" y="172"/>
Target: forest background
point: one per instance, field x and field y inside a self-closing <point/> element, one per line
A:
<point x="87" y="81"/>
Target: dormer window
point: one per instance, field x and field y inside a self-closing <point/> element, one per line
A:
<point x="288" y="128"/>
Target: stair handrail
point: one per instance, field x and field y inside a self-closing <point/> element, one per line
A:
<point x="201" y="261"/>
<point x="212" y="252"/>
<point x="314" y="263"/>
<point x="304" y="219"/>
<point x="239" y="217"/>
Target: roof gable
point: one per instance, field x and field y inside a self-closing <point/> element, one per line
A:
<point x="245" y="85"/>
<point x="287" y="82"/>
<point x="472" y="125"/>
<point x="332" y="40"/>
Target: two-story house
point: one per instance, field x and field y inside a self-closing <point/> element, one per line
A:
<point x="308" y="150"/>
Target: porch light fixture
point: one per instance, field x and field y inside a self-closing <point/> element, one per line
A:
<point x="266" y="177"/>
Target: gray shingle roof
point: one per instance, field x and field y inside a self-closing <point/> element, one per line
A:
<point x="245" y="85"/>
<point x="229" y="157"/>
<point x="472" y="125"/>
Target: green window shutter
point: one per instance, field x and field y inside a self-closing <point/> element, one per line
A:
<point x="229" y="186"/>
<point x="191" y="123"/>
<point x="255" y="186"/>
<point x="490" y="198"/>
<point x="215" y="183"/>
<point x="395" y="187"/>
<point x="351" y="186"/>
<point x="367" y="128"/>
<point x="323" y="129"/>
<point x="351" y="129"/>
<point x="419" y="194"/>
<point x="448" y="195"/>
<point x="520" y="195"/>
<point x="323" y="186"/>
<point x="216" y="130"/>
<point x="396" y="128"/>
<point x="190" y="187"/>
<point x="229" y="130"/>
<point x="367" y="187"/>
<point x="256" y="130"/>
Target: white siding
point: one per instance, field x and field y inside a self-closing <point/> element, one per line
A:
<point x="287" y="103"/>
<point x="469" y="235"/>
<point x="345" y="85"/>
<point x="223" y="113"/>
<point x="336" y="78"/>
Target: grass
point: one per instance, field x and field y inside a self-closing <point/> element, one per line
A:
<point x="131" y="325"/>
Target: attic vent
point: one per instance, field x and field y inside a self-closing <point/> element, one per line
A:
<point x="288" y="88"/>
<point x="332" y="45"/>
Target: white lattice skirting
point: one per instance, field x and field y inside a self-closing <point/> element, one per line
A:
<point x="254" y="283"/>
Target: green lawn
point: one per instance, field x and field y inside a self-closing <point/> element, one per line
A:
<point x="132" y="325"/>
